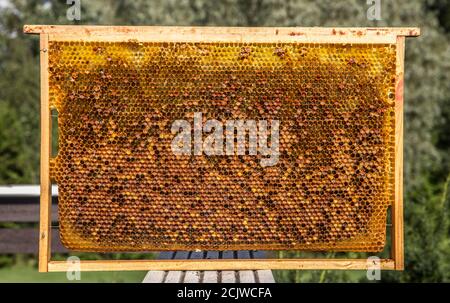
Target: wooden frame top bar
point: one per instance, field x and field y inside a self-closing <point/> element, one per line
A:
<point x="222" y="34"/>
<point x="282" y="31"/>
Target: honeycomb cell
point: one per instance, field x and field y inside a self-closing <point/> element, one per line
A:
<point x="123" y="189"/>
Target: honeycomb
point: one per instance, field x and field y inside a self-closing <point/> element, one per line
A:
<point x="121" y="188"/>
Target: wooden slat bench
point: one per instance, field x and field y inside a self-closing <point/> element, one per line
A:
<point x="242" y="276"/>
<point x="20" y="204"/>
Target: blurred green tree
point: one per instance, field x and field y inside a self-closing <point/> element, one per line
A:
<point x="14" y="163"/>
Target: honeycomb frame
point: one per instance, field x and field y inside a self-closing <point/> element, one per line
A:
<point x="275" y="36"/>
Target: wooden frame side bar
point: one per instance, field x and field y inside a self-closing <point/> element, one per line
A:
<point x="221" y="264"/>
<point x="397" y="207"/>
<point x="46" y="188"/>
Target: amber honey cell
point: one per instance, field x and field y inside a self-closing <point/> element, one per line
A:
<point x="121" y="188"/>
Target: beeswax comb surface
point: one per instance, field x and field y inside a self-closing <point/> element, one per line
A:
<point x="121" y="188"/>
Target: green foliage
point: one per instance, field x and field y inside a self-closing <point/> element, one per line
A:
<point x="14" y="164"/>
<point x="427" y="97"/>
<point x="442" y="9"/>
<point x="23" y="273"/>
<point x="426" y="238"/>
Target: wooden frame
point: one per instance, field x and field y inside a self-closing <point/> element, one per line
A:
<point x="395" y="36"/>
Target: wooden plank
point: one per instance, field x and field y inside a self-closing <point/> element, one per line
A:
<point x="154" y="276"/>
<point x="173" y="276"/>
<point x="257" y="254"/>
<point x="228" y="276"/>
<point x="221" y="264"/>
<point x="194" y="276"/>
<point x="211" y="276"/>
<point x="166" y="255"/>
<point x="245" y="276"/>
<point x="176" y="276"/>
<point x="23" y="191"/>
<point x="15" y="210"/>
<point x="158" y="276"/>
<point x="243" y="254"/>
<point x="46" y="194"/>
<point x="181" y="255"/>
<point x="262" y="276"/>
<point x="212" y="255"/>
<point x="197" y="255"/>
<point x="222" y="34"/>
<point x="26" y="240"/>
<point x="91" y="30"/>
<point x="397" y="208"/>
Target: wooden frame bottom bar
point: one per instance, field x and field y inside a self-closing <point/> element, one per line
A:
<point x="221" y="264"/>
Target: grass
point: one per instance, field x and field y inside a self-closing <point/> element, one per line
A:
<point x="29" y="274"/>
<point x="23" y="268"/>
